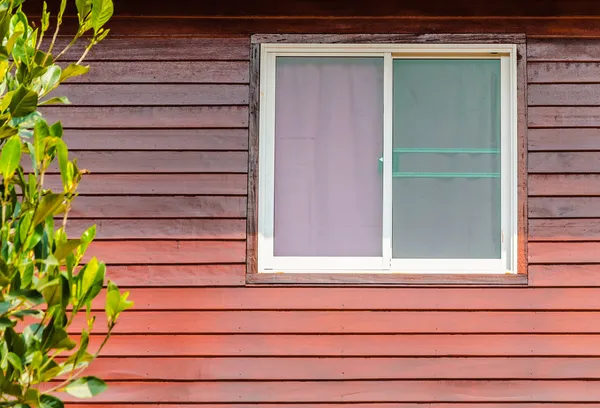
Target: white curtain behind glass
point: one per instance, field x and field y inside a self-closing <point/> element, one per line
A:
<point x="328" y="141"/>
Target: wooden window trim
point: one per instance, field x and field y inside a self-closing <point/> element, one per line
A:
<point x="252" y="277"/>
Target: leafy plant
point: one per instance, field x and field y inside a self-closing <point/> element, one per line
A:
<point x="47" y="288"/>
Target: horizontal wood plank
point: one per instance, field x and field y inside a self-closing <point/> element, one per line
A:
<point x="149" y="116"/>
<point x="584" y="229"/>
<point x="382" y="345"/>
<point x="351" y="322"/>
<point x="164" y="72"/>
<point x="564" y="252"/>
<point x="564" y="275"/>
<point x="153" y="94"/>
<point x="564" y="162"/>
<point x="167" y="252"/>
<point x="563" y="95"/>
<point x="352" y="391"/>
<point x="294" y="298"/>
<point x="363" y="368"/>
<point x="563" y="139"/>
<point x="157" y="184"/>
<point x="564" y="184"/>
<point x="564" y="116"/>
<point x="177" y="275"/>
<point x="98" y="162"/>
<point x="564" y="207"/>
<point x="563" y="72"/>
<point x="156" y="139"/>
<point x="172" y="229"/>
<point x="158" y="49"/>
<point x="562" y="49"/>
<point x="343" y="405"/>
<point x="158" y="207"/>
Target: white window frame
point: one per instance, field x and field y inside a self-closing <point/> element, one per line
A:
<point x="268" y="263"/>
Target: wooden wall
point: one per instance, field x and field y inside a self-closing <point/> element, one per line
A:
<point x="161" y="122"/>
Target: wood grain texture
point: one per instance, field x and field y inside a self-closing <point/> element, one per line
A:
<point x="253" y="162"/>
<point x="345" y="405"/>
<point x="335" y="368"/>
<point x="158" y="184"/>
<point x="580" y="49"/>
<point x="564" y="162"/>
<point x="98" y="162"/>
<point x="352" y="322"/>
<point x="522" y="159"/>
<point x="564" y="207"/>
<point x="564" y="184"/>
<point x="583" y="229"/>
<point x="352" y="391"/>
<point x="564" y="275"/>
<point x="158" y="49"/>
<point x="563" y="72"/>
<point x="171" y="229"/>
<point x="159" y="207"/>
<point x="156" y="139"/>
<point x="167" y="252"/>
<point x="153" y="94"/>
<point x="564" y="116"/>
<point x="148" y="72"/>
<point x="365" y="299"/>
<point x="332" y="345"/>
<point x="564" y="95"/>
<point x="177" y="275"/>
<point x="388" y="38"/>
<point x="149" y="116"/>
<point x="564" y="139"/>
<point x="564" y="252"/>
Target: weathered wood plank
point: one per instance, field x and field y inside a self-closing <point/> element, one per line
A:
<point x="583" y="229"/>
<point x="111" y="230"/>
<point x="160" y="162"/>
<point x="564" y="184"/>
<point x="557" y="72"/>
<point x="352" y="322"/>
<point x="564" y="252"/>
<point x="153" y="95"/>
<point x="564" y="207"/>
<point x="335" y="368"/>
<point x="159" y="207"/>
<point x="336" y="298"/>
<point x="157" y="184"/>
<point x="564" y="275"/>
<point x="564" y="95"/>
<point x="389" y="38"/>
<point x="156" y="139"/>
<point x="555" y="49"/>
<point x="149" y="116"/>
<point x="343" y="405"/>
<point x="377" y="345"/>
<point x="167" y="252"/>
<point x="235" y="72"/>
<point x="564" y="116"/>
<point x="352" y="391"/>
<point x="177" y="275"/>
<point x="564" y="162"/>
<point x="564" y="139"/>
<point x="159" y="48"/>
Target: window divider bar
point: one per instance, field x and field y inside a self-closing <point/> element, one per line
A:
<point x="388" y="95"/>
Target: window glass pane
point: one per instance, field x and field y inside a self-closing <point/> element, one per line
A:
<point x="328" y="141"/>
<point x="446" y="121"/>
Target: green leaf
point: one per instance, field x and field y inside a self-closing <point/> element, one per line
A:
<point x="63" y="163"/>
<point x="83" y="9"/>
<point x="11" y="41"/>
<point x="50" y="205"/>
<point x="51" y="78"/>
<point x="57" y="99"/>
<point x="102" y="11"/>
<point x="49" y="401"/>
<point x="89" y="281"/>
<point x="10" y="157"/>
<point x="15" y="361"/>
<point x="66" y="248"/>
<point x="73" y="70"/>
<point x="56" y="130"/>
<point x="5" y="322"/>
<point x="31" y="295"/>
<point x="115" y="302"/>
<point x="60" y="339"/>
<point x="86" y="387"/>
<point x="23" y="102"/>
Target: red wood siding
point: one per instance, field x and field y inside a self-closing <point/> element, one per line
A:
<point x="166" y="140"/>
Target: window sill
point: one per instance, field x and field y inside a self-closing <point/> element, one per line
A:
<point x="385" y="279"/>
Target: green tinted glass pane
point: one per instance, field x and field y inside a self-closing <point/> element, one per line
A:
<point x="446" y="140"/>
